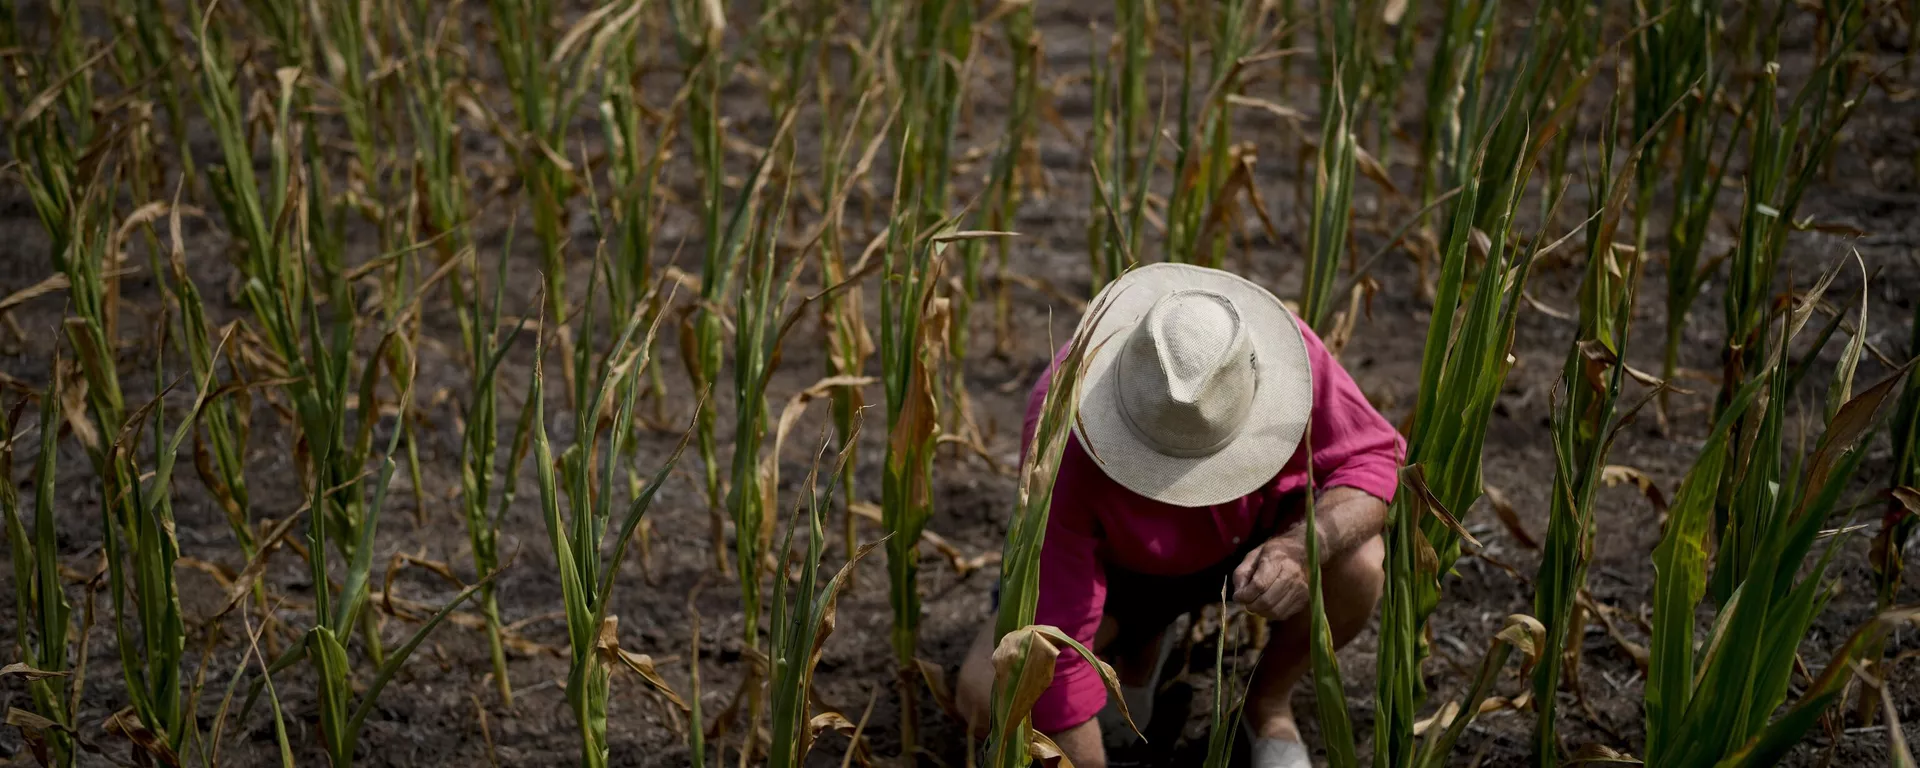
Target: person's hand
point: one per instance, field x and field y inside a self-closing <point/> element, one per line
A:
<point x="1272" y="581"/>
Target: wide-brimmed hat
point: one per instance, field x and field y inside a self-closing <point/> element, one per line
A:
<point x="1197" y="390"/>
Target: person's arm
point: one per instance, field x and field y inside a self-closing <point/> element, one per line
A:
<point x="1355" y="456"/>
<point x="1272" y="580"/>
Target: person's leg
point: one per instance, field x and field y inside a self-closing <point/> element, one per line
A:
<point x="1353" y="585"/>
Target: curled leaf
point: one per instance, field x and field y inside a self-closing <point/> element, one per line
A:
<point x="608" y="645"/>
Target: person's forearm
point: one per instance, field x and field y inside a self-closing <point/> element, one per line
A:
<point x="1346" y="518"/>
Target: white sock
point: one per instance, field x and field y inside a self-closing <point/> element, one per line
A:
<point x="1280" y="753"/>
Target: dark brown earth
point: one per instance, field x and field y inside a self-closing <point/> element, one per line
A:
<point x="440" y="712"/>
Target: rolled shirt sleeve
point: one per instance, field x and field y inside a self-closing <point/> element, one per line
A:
<point x="1353" y="445"/>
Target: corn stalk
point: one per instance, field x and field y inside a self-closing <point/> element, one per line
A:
<point x="1203" y="161"/>
<point x="42" y="614"/>
<point x="1341" y="98"/>
<point x="577" y="534"/>
<point x="1787" y="149"/>
<point x="803" y="617"/>
<point x="1024" y="653"/>
<point x="1462" y="369"/>
<point x="1585" y="419"/>
<point x="1717" y="705"/>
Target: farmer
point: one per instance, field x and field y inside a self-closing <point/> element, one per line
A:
<point x="1188" y="473"/>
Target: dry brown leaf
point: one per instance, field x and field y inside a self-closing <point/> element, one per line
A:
<point x="1048" y="753"/>
<point x="936" y="679"/>
<point x="1370" y="167"/>
<point x="957" y="558"/>
<point x="1288" y="114"/>
<point x="53" y="284"/>
<point x="243" y="583"/>
<point x="20" y="718"/>
<point x="1615" y="474"/>
<point x="1503" y="509"/>
<point x="1908" y="497"/>
<point x="126" y="723"/>
<point x="608" y="644"/>
<point x="1023" y="665"/>
<point x="1440" y="719"/>
<point x="1528" y="636"/>
<point x="73" y="403"/>
<point x="31" y="674"/>
<point x="1596" y="753"/>
<point x="1416" y="480"/>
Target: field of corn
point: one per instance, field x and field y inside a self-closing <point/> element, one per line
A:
<point x="639" y="382"/>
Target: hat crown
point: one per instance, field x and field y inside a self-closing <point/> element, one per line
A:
<point x="1187" y="374"/>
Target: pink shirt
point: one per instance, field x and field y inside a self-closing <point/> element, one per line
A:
<point x="1095" y="522"/>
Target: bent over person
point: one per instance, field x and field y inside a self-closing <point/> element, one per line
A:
<point x="1191" y="458"/>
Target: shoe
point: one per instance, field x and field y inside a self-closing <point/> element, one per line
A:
<point x="1280" y="753"/>
<point x="1275" y="753"/>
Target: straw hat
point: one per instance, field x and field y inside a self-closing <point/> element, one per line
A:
<point x="1198" y="389"/>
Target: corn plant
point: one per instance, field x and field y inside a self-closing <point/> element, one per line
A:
<point x="440" y="194"/>
<point x="757" y="319"/>
<point x="1718" y="705"/>
<point x="548" y="77"/>
<point x="931" y="59"/>
<point x="220" y="446"/>
<point x="802" y="621"/>
<point x="136" y="515"/>
<point x="338" y="612"/>
<point x="1786" y="149"/>
<point x="1461" y="373"/>
<point x="1342" y="68"/>
<point x="1586" y="417"/>
<point x="141" y="554"/>
<point x="577" y="535"/>
<point x="1704" y="132"/>
<point x="633" y="172"/>
<point x="701" y="29"/>
<point x="848" y="343"/>
<point x="1901" y="516"/>
<point x="1672" y="55"/>
<point x="1024" y="653"/>
<point x="1517" y="110"/>
<point x="42" y="613"/>
<point x="480" y="466"/>
<point x="148" y="57"/>
<point x="1016" y="155"/>
<point x="1122" y="167"/>
<point x="1202" y="140"/>
<point x="1458" y="44"/>
<point x="909" y="280"/>
<point x="283" y="243"/>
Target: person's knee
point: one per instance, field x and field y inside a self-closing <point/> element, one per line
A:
<point x="1354" y="585"/>
<point x="973" y="694"/>
<point x="1364" y="569"/>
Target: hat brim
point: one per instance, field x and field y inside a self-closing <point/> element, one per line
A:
<point x="1275" y="423"/>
